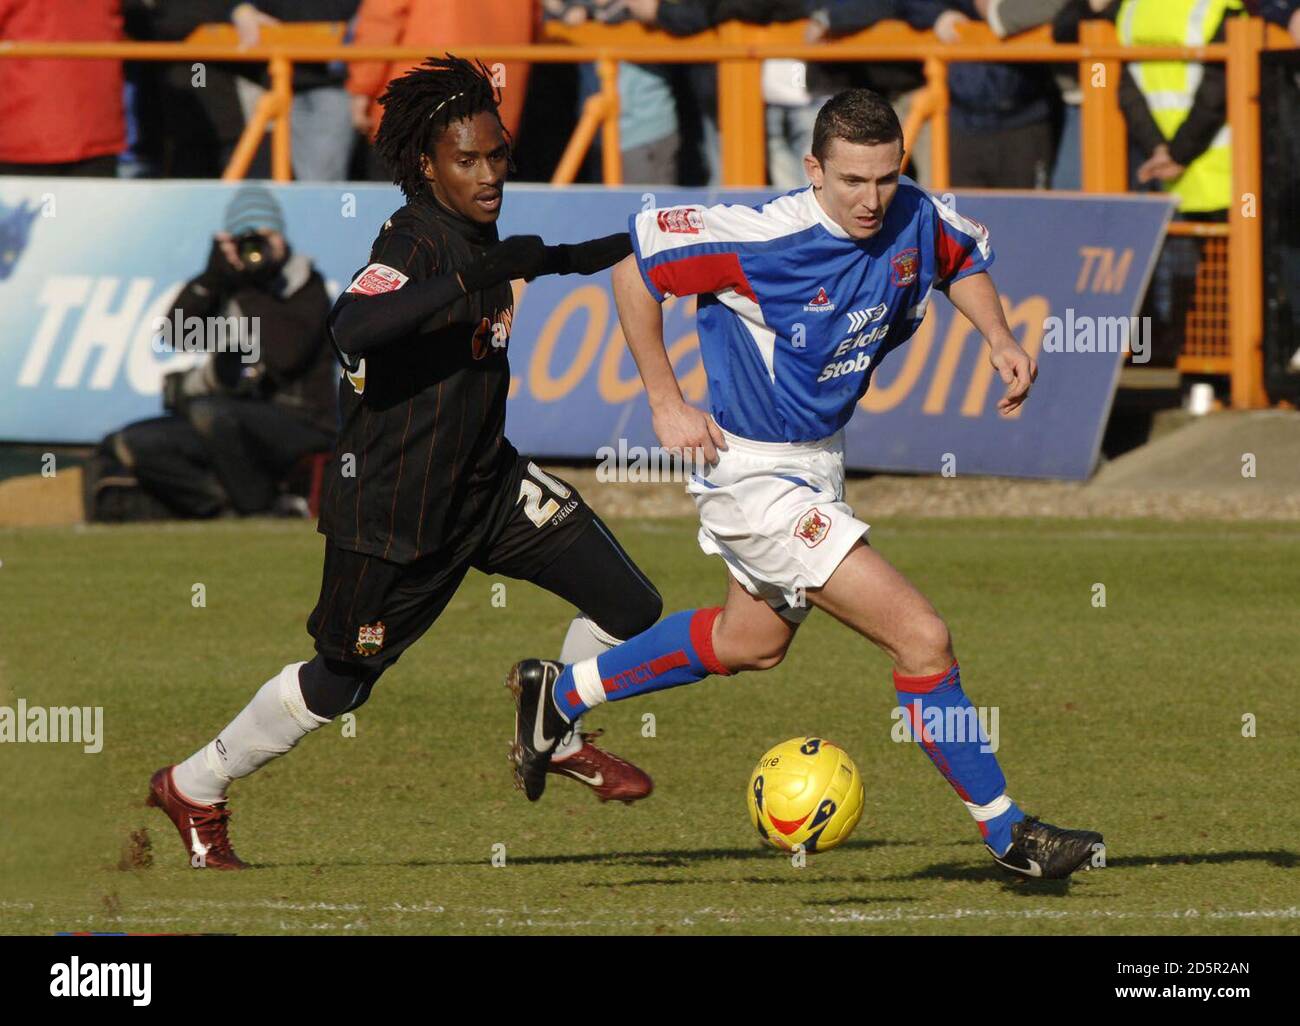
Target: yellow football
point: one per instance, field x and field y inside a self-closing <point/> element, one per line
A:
<point x="805" y="791"/>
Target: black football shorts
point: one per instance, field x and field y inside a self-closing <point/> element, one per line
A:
<point x="370" y="610"/>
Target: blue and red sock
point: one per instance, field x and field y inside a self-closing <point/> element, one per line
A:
<point x="945" y="723"/>
<point x="677" y="650"/>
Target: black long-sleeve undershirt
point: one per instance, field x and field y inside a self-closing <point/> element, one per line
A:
<point x="385" y="318"/>
<point x="390" y="316"/>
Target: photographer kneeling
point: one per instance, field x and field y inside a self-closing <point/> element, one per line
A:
<point x="242" y="419"/>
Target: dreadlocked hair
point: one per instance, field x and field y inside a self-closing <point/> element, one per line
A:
<point x="420" y="105"/>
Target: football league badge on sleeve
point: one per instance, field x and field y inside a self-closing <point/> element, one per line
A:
<point x="370" y="638"/>
<point x="377" y="279"/>
<point x="681" y="221"/>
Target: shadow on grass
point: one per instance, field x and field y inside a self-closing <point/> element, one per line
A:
<point x="989" y="872"/>
<point x="675" y="857"/>
<point x="802" y="880"/>
<point x="672" y="858"/>
<point x="1280" y="859"/>
<point x="860" y="899"/>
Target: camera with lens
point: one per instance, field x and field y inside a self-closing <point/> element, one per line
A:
<point x="254" y="249"/>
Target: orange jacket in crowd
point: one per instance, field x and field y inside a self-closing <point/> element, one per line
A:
<point x="60" y="111"/>
<point x="441" y="26"/>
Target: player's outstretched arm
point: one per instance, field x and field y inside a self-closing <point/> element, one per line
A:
<point x="977" y="298"/>
<point x="362" y="321"/>
<point x="589" y="257"/>
<point x="678" y="425"/>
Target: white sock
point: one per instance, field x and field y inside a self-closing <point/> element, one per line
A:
<point x="584" y="641"/>
<point x="994" y="809"/>
<point x="273" y="722"/>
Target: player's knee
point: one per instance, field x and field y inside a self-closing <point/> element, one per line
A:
<point x="766" y="660"/>
<point x="928" y="643"/>
<point x="331" y="688"/>
<point x="761" y="656"/>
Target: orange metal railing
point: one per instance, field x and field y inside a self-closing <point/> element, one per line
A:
<point x="739" y="50"/>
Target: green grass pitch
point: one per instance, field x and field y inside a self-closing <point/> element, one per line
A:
<point x="1127" y="719"/>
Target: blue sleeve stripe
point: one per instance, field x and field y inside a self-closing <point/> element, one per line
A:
<point x="796" y="480"/>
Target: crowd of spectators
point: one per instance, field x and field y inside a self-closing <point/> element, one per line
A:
<point x="1013" y="125"/>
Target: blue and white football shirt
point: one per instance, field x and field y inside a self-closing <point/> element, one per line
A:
<point x="794" y="314"/>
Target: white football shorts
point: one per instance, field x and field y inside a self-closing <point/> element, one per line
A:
<point x="776" y="513"/>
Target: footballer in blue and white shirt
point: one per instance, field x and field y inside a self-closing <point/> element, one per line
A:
<point x="800" y="299"/>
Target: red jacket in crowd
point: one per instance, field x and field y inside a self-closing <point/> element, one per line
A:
<point x="60" y="111"/>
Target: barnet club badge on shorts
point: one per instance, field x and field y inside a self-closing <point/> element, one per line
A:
<point x="812" y="527"/>
<point x="370" y="638"/>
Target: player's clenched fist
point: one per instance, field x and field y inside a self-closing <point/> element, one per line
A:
<point x="681" y="427"/>
<point x="1018" y="371"/>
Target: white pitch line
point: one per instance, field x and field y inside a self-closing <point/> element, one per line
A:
<point x="525" y="917"/>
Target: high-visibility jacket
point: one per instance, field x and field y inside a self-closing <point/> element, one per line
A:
<point x="1170" y="88"/>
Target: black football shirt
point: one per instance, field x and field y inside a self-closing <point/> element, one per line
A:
<point x="422" y="452"/>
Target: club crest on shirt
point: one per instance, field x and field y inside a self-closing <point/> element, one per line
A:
<point x="370" y="638"/>
<point x="681" y="221"/>
<point x="906" y="267"/>
<point x="820" y="303"/>
<point x="812" y="527"/>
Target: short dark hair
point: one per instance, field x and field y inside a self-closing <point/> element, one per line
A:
<point x="420" y="105"/>
<point x="856" y="116"/>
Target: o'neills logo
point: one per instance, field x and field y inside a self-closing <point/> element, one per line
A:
<point x="107" y="979"/>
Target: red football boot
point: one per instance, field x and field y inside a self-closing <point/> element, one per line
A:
<point x="611" y="778"/>
<point x="202" y="827"/>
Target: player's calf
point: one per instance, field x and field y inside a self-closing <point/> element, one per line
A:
<point x="271" y="724"/>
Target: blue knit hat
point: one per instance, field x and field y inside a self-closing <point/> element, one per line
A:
<point x="253" y="207"/>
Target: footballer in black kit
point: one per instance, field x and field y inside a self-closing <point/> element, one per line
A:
<point x="424" y="485"/>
